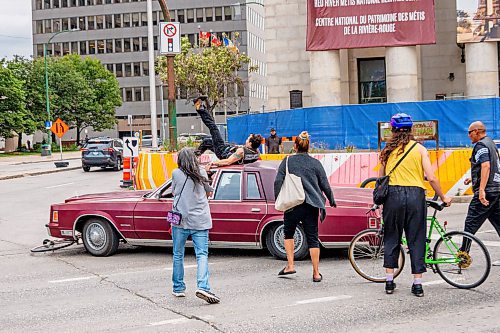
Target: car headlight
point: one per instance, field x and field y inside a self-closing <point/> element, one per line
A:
<point x="55" y="216"/>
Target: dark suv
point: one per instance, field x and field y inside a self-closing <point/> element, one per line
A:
<point x="102" y="152"/>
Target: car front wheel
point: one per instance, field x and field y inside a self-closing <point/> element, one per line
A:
<point x="99" y="238"/>
<point x="275" y="242"/>
<point x="86" y="168"/>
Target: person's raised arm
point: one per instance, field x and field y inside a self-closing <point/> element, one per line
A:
<point x="429" y="174"/>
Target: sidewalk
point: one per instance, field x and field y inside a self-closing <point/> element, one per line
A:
<point x="32" y="165"/>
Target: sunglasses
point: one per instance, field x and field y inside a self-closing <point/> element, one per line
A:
<point x="472" y="130"/>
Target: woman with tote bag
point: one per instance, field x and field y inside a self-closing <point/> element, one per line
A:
<point x="314" y="184"/>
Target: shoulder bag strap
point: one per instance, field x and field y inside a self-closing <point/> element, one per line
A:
<point x="175" y="205"/>
<point x="402" y="158"/>
<point x="286" y="166"/>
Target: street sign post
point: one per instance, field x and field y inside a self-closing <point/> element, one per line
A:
<point x="170" y="38"/>
<point x="59" y="128"/>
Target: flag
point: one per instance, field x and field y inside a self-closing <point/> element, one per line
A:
<point x="227" y="42"/>
<point x="204" y="38"/>
<point x="215" y="40"/>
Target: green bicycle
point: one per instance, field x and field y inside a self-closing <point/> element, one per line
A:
<point x="460" y="258"/>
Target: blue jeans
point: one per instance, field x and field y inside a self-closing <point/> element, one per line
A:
<point x="200" y="241"/>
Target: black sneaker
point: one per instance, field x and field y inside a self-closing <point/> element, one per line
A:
<point x="417" y="290"/>
<point x="207" y="296"/>
<point x="389" y="287"/>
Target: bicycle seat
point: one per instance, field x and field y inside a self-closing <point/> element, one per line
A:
<point x="436" y="205"/>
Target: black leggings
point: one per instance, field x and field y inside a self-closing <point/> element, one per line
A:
<point x="405" y="209"/>
<point x="216" y="143"/>
<point x="478" y="213"/>
<point x="308" y="215"/>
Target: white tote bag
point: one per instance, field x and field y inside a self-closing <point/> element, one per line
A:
<point x="292" y="192"/>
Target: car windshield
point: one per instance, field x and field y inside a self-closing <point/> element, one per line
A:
<point x="92" y="145"/>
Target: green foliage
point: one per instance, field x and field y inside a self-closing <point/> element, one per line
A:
<point x="13" y="115"/>
<point x="206" y="70"/>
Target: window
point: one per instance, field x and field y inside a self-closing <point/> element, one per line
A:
<point x="119" y="70"/>
<point x="57" y="49"/>
<point x="135" y="20"/>
<point x="83" y="47"/>
<point x="48" y="26"/>
<point x="74" y="47"/>
<point x="65" y="47"/>
<point x="108" y="21"/>
<point x="145" y="91"/>
<point x="128" y="69"/>
<point x="137" y="69"/>
<point x="209" y="14"/>
<point x="64" y="3"/>
<point x="73" y="3"/>
<point x="144" y="19"/>
<point x="99" y="20"/>
<point x="92" y="47"/>
<point x="144" y="43"/>
<point x="90" y="2"/>
<point x="229" y="186"/>
<point x="118" y="45"/>
<point x="109" y="46"/>
<point x="190" y="15"/>
<point x="128" y="94"/>
<point x="56" y="4"/>
<point x="39" y="4"/>
<point x="252" y="187"/>
<point x="126" y="45"/>
<point x="46" y="4"/>
<point x="65" y="24"/>
<point x="180" y="16"/>
<point x="227" y="13"/>
<point x="73" y="23"/>
<point x="126" y="20"/>
<point x="91" y="22"/>
<point x="81" y="23"/>
<point x="145" y="69"/>
<point x="39" y="50"/>
<point x="218" y="13"/>
<point x="109" y="67"/>
<point x="39" y="27"/>
<point x="191" y="39"/>
<point x="98" y="2"/>
<point x="371" y="81"/>
<point x="241" y="90"/>
<point x="100" y="46"/>
<point x="56" y="24"/>
<point x="136" y="44"/>
<point x="108" y="2"/>
<point x="118" y="20"/>
<point x="81" y="3"/>
<point x="138" y="94"/>
<point x="199" y="15"/>
<point x="155" y="17"/>
<point x="155" y="42"/>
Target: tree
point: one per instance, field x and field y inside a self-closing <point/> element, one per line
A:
<point x="13" y="115"/>
<point x="206" y="70"/>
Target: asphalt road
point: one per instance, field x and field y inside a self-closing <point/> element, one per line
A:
<point x="71" y="291"/>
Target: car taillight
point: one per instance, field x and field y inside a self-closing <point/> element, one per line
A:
<point x="84" y="149"/>
<point x="110" y="150"/>
<point x="55" y="216"/>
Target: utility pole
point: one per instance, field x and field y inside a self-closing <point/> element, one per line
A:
<point x="152" y="81"/>
<point x="172" y="116"/>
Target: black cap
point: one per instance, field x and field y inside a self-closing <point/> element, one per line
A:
<point x="201" y="97"/>
<point x="272" y="129"/>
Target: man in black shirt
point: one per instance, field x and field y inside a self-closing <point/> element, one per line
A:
<point x="226" y="153"/>
<point x="273" y="143"/>
<point x="485" y="173"/>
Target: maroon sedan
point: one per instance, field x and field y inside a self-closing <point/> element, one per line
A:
<point x="242" y="208"/>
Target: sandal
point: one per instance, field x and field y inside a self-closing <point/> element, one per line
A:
<point x="318" y="279"/>
<point x="282" y="272"/>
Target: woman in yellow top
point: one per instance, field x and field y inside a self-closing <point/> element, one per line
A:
<point x="405" y="207"/>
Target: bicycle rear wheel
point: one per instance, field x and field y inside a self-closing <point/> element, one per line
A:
<point x="52" y="245"/>
<point x="466" y="263"/>
<point x="366" y="254"/>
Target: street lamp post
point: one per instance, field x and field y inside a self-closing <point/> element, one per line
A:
<point x="47" y="101"/>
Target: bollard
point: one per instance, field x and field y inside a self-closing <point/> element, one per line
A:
<point x="128" y="172"/>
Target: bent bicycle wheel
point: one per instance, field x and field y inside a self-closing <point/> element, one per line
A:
<point x="49" y="245"/>
<point x="366" y="254"/>
<point x="464" y="261"/>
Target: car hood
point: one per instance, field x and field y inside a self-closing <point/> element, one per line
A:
<point x="108" y="196"/>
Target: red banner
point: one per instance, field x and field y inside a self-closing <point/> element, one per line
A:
<point x="347" y="24"/>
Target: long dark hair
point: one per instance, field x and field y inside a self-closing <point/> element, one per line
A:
<point x="399" y="140"/>
<point x="188" y="164"/>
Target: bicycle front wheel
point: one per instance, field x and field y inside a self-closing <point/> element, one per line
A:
<point x="462" y="260"/>
<point x="366" y="254"/>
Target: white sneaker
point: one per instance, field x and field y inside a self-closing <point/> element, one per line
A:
<point x="207" y="296"/>
<point x="179" y="294"/>
<point x="496" y="263"/>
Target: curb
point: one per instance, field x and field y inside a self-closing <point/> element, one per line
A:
<point x="38" y="173"/>
<point x="52" y="160"/>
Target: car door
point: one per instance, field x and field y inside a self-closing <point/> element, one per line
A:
<point x="150" y="216"/>
<point x="236" y="213"/>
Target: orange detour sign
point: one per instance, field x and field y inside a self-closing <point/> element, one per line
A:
<point x="59" y="128"/>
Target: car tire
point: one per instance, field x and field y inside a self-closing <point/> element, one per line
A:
<point x="86" y="168"/>
<point x="99" y="238"/>
<point x="276" y="246"/>
<point x="118" y="165"/>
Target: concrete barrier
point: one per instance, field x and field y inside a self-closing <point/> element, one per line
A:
<point x="342" y="169"/>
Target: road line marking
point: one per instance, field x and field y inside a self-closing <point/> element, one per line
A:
<point x="430" y="283"/>
<point x="83" y="278"/>
<point x="322" y="300"/>
<point x="171" y="321"/>
<point x="491" y="243"/>
<point x="492" y="231"/>
<point x="54" y="186"/>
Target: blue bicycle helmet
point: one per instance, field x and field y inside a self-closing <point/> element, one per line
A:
<point x="401" y="120"/>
